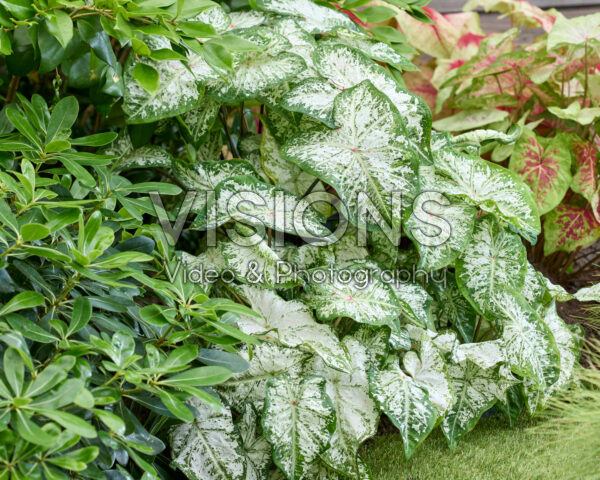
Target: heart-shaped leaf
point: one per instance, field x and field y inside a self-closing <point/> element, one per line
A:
<point x="494" y="258"/>
<point x="406" y="404"/>
<point x="545" y="166"/>
<point x="298" y="421"/>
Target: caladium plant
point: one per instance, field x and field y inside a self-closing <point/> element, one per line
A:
<point x="360" y="263"/>
<point x="550" y="88"/>
<point x="314" y="112"/>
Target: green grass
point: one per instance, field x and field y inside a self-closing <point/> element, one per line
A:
<point x="492" y="451"/>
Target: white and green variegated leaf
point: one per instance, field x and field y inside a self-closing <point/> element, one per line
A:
<point x="291" y="323"/>
<point x="440" y="228"/>
<point x="534" y="287"/>
<point x="308" y="256"/>
<point x="249" y="147"/>
<point x="256" y="448"/>
<point x="252" y="202"/>
<point x="375" y="341"/>
<point x="418" y="301"/>
<point x="492" y="188"/>
<point x="319" y="470"/>
<point x="558" y="292"/>
<point x="209" y="448"/>
<point x="148" y="156"/>
<point x="379" y="51"/>
<point x="254" y="72"/>
<point x="477" y="137"/>
<point x="405" y="403"/>
<point x="298" y="420"/>
<point x="483" y="354"/>
<point x="251" y="260"/>
<point x="314" y="97"/>
<point x="129" y="157"/>
<point x="530" y="346"/>
<point x="446" y="341"/>
<point x="348" y="249"/>
<point x="267" y="360"/>
<point x="586" y="294"/>
<point x="450" y="307"/>
<point x="357" y="415"/>
<point x="207" y="176"/>
<point x="280" y="171"/>
<point x="177" y="92"/>
<point x="200" y="120"/>
<point x="372" y="302"/>
<point x="475" y="391"/>
<point x="214" y="16"/>
<point x="568" y="345"/>
<point x="310" y="16"/>
<point x="494" y="258"/>
<point x="303" y="43"/>
<point x="428" y="369"/>
<point x="197" y="265"/>
<point x="365" y="156"/>
<point x="204" y="177"/>
<point x="399" y="336"/>
<point x="246" y="19"/>
<point x="346" y="67"/>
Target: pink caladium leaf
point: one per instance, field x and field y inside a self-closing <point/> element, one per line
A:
<point x="522" y="13"/>
<point x="440" y="38"/>
<point x="544" y="164"/>
<point x="567" y="228"/>
<point x="585" y="180"/>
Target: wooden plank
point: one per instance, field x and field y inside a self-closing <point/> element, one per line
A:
<point x="449" y="6"/>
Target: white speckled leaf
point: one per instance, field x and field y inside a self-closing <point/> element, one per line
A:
<point x="314" y="97"/>
<point x="280" y="171"/>
<point x="303" y="43"/>
<point x="477" y="137"/>
<point x="204" y="177"/>
<point x="442" y="228"/>
<point x="530" y="346"/>
<point x="534" y="287"/>
<point x="429" y="370"/>
<point x="298" y="421"/>
<point x="357" y="415"/>
<point x="346" y="67"/>
<point x="252" y="202"/>
<point x="406" y="404"/>
<point x="246" y="19"/>
<point x="450" y="307"/>
<point x="494" y="257"/>
<point x="375" y="341"/>
<point x="311" y="17"/>
<point x="256" y="448"/>
<point x="209" y="448"/>
<point x="475" y="391"/>
<point x="365" y="155"/>
<point x="214" y="16"/>
<point x="177" y="93"/>
<point x="254" y="72"/>
<point x="587" y="294"/>
<point x="370" y="47"/>
<point x="483" y="354"/>
<point x="251" y="260"/>
<point x="268" y="360"/>
<point x="568" y="345"/>
<point x="418" y="301"/>
<point x="374" y="303"/>
<point x="319" y="470"/>
<point x="492" y="188"/>
<point x="201" y="119"/>
<point x="149" y="156"/>
<point x="291" y="323"/>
